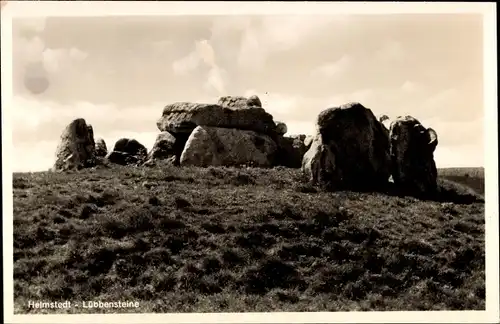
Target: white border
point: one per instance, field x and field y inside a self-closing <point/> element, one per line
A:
<point x="158" y="8"/>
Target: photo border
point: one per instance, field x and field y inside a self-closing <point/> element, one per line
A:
<point x="159" y="8"/>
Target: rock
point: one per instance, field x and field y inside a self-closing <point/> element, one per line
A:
<point x="357" y="143"/>
<point x="318" y="162"/>
<point x="183" y="117"/>
<point x="127" y="151"/>
<point x="212" y="146"/>
<point x="281" y="128"/>
<point x="76" y="149"/>
<point x="239" y="102"/>
<point x="100" y="148"/>
<point x="308" y="141"/>
<point x="130" y="146"/>
<point x="412" y="155"/>
<point x="168" y="147"/>
<point x="386" y="122"/>
<point x="122" y="158"/>
<point x="291" y="150"/>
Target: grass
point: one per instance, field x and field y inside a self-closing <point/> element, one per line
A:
<point x="471" y="177"/>
<point x="237" y="240"/>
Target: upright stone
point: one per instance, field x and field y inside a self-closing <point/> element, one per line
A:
<point x="352" y="148"/>
<point x="412" y="155"/>
<point x="76" y="149"/>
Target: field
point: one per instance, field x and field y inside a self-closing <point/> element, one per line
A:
<point x="470" y="177"/>
<point x="237" y="240"/>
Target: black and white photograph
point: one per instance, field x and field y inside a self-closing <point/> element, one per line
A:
<point x="230" y="160"/>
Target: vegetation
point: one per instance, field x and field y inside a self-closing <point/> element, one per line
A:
<point x="471" y="177"/>
<point x="241" y="239"/>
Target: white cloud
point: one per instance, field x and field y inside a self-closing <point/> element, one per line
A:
<point x="252" y="54"/>
<point x="215" y="80"/>
<point x="390" y="51"/>
<point x="334" y="69"/>
<point x="411" y="87"/>
<point x="459" y="156"/>
<point x="276" y="33"/>
<point x="33" y="158"/>
<point x="278" y="104"/>
<point x="161" y="45"/>
<point x="29" y="50"/>
<point x="53" y="59"/>
<point x="364" y="96"/>
<point x="287" y="32"/>
<point x="77" y="55"/>
<point x="203" y="53"/>
<point x="186" y="64"/>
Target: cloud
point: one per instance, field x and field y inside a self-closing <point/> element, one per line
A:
<point x="459" y="156"/>
<point x="34" y="50"/>
<point x="216" y="80"/>
<point x="203" y="55"/>
<point x="334" y="69"/>
<point x="161" y="46"/>
<point x="29" y="50"/>
<point x="390" y="51"/>
<point x="269" y="34"/>
<point x="186" y="64"/>
<point x="56" y="59"/>
<point x="411" y="87"/>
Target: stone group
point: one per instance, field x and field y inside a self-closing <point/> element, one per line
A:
<point x="350" y="150"/>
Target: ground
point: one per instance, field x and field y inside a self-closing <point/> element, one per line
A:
<point x="235" y="240"/>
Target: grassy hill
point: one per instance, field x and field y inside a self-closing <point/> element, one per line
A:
<point x="471" y="177"/>
<point x="233" y="240"/>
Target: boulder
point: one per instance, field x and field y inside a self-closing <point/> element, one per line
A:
<point x="308" y="141"/>
<point x="357" y="145"/>
<point x="291" y="150"/>
<point x="127" y="151"/>
<point x="168" y="147"/>
<point x="76" y="149"/>
<point x="183" y="117"/>
<point x="412" y="155"/>
<point x="212" y="146"/>
<point x="239" y="102"/>
<point x="101" y="149"/>
<point x="130" y="146"/>
<point x="318" y="162"/>
<point x="122" y="158"/>
<point x="281" y="128"/>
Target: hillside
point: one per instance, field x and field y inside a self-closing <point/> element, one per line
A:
<point x="470" y="177"/>
<point x="232" y="240"/>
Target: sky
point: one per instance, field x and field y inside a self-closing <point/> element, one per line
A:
<point x="119" y="72"/>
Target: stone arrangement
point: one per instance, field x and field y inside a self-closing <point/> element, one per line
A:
<point x="351" y="150"/>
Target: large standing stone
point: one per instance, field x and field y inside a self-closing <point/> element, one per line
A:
<point x="211" y="146"/>
<point x="168" y="147"/>
<point x="76" y="149"/>
<point x="412" y="154"/>
<point x="101" y="149"/>
<point x="183" y="117"/>
<point x="127" y="151"/>
<point x="352" y="142"/>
